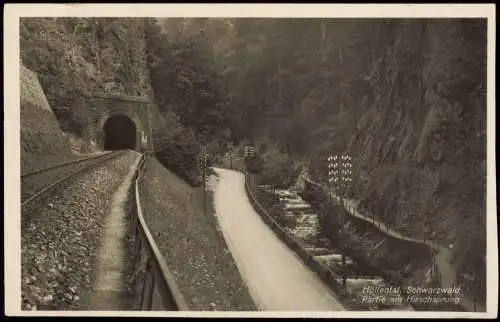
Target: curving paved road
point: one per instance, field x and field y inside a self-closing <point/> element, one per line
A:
<point x="277" y="279"/>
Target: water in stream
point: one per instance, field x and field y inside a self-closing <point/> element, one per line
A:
<point x="366" y="292"/>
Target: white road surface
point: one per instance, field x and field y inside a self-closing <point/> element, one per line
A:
<point x="277" y="279"/>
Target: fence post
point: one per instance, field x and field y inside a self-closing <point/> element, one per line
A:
<point x="151" y="291"/>
<point x="147" y="287"/>
<point x="138" y="242"/>
<point x="137" y="248"/>
<point x="143" y="293"/>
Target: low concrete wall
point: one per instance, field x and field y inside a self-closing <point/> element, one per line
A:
<point x="326" y="275"/>
<point x="377" y="265"/>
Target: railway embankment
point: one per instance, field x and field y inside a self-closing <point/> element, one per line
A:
<point x="60" y="243"/>
<point x="191" y="242"/>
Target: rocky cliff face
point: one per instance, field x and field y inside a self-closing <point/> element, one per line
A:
<point x="75" y="57"/>
<point x="420" y="147"/>
<point x="40" y="132"/>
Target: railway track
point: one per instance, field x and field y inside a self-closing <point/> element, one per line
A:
<point x="36" y="183"/>
<point x="158" y="281"/>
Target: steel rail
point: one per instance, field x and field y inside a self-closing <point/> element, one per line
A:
<point x="58" y="182"/>
<point x="157" y="274"/>
<point x="60" y="165"/>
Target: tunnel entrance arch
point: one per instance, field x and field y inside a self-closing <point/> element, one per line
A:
<point x="122" y="122"/>
<point x="120" y="133"/>
<point x="120" y="129"/>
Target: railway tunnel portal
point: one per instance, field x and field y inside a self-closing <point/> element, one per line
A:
<point x="120" y="133"/>
<point x="122" y="122"/>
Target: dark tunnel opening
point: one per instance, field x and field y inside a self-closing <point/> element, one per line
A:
<point x="119" y="133"/>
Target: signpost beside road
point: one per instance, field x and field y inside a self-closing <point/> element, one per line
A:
<point x="231" y="156"/>
<point x="203" y="166"/>
<point x="252" y="162"/>
<point x="340" y="176"/>
<point x="249" y="151"/>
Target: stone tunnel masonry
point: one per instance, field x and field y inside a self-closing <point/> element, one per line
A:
<point x="136" y="108"/>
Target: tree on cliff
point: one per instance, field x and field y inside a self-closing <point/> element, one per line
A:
<point x="189" y="95"/>
<point x="184" y="81"/>
<point x="73" y="57"/>
<point x="404" y="97"/>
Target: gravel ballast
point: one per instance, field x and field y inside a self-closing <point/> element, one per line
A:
<point x="59" y="246"/>
<point x="31" y="163"/>
<point x="37" y="181"/>
<point x="191" y="244"/>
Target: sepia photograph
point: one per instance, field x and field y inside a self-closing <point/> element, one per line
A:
<point x="251" y="164"/>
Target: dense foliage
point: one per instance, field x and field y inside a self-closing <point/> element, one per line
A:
<point x="176" y="148"/>
<point x="405" y="98"/>
<point x="185" y="84"/>
<point x="74" y="57"/>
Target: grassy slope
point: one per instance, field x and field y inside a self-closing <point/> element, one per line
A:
<point x="191" y="244"/>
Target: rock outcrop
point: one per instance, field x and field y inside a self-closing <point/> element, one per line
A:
<point x="75" y="58"/>
<point x="41" y="135"/>
<point x="420" y="147"/>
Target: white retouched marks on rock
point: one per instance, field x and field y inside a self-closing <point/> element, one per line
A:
<point x="317" y="251"/>
<point x="109" y="284"/>
<point x="334" y="258"/>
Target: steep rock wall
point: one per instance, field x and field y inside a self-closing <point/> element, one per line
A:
<point x="428" y="122"/>
<point x="41" y="135"/>
<point x="77" y="57"/>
